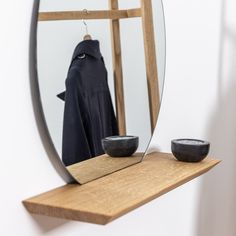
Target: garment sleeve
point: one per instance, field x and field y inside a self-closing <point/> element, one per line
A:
<point x="75" y="147"/>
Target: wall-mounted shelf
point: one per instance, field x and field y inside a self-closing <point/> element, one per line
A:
<point x="112" y="196"/>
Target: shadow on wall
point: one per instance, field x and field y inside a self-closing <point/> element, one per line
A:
<point x="217" y="204"/>
<point x="47" y="224"/>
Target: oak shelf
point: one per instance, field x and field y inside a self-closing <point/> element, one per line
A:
<point x="105" y="199"/>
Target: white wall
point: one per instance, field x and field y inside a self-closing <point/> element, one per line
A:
<point x="199" y="101"/>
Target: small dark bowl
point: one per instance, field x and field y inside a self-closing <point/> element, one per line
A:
<point x="120" y="146"/>
<point x="190" y="150"/>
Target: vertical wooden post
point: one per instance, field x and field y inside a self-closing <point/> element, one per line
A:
<point x="117" y="67"/>
<point x="150" y="57"/>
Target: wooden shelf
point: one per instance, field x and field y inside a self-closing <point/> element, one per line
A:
<point x="112" y="196"/>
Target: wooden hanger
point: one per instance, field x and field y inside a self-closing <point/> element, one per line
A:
<point x="87" y="37"/>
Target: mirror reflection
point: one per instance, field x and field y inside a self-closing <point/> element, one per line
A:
<point x="98" y="79"/>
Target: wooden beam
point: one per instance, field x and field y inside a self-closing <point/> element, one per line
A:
<point x="117" y="68"/>
<point x="78" y="15"/>
<point x="151" y="64"/>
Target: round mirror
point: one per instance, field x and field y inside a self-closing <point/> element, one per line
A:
<point x="100" y="75"/>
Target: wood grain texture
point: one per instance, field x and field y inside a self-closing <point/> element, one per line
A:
<point x="97" y="167"/>
<point x="78" y="15"/>
<point x="112" y="196"/>
<point x="151" y="62"/>
<point x="117" y="70"/>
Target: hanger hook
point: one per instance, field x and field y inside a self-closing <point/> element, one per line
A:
<point x="85" y="24"/>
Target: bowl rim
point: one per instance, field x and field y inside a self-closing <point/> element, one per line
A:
<point x="201" y="142"/>
<point x="120" y="138"/>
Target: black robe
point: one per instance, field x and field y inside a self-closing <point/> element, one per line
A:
<point x="88" y="113"/>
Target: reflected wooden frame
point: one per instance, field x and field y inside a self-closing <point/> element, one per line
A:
<point x="114" y="14"/>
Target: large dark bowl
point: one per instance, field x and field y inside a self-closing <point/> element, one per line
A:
<point x="190" y="150"/>
<point x="120" y="146"/>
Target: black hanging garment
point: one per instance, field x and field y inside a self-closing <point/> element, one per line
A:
<point x="88" y="113"/>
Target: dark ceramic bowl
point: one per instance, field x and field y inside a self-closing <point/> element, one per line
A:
<point x="120" y="146"/>
<point x="190" y="150"/>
